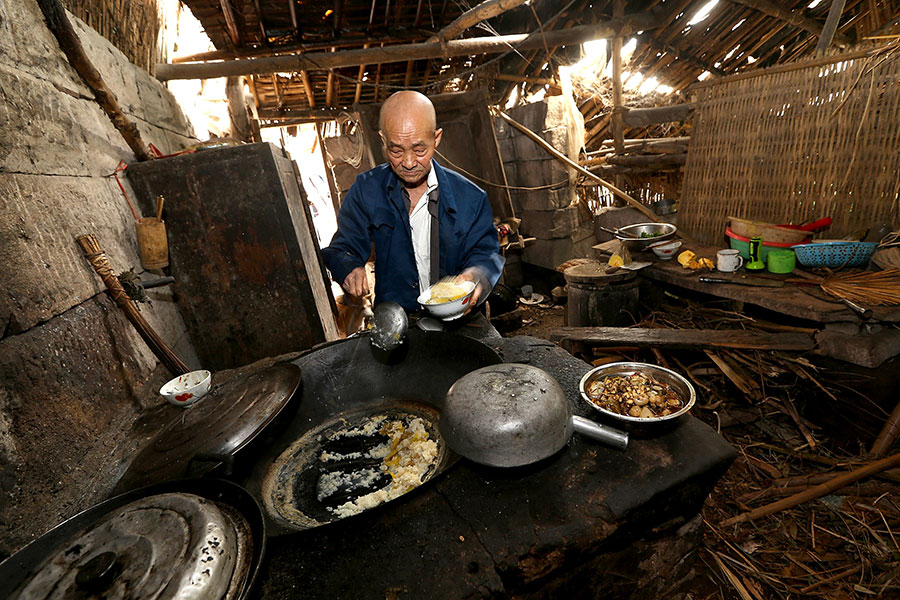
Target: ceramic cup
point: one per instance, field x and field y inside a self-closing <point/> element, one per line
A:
<point x="729" y="261"/>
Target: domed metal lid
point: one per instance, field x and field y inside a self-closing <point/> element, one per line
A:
<point x="164" y="546"/>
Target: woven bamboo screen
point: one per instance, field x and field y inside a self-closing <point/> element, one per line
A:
<point x="791" y="146"/>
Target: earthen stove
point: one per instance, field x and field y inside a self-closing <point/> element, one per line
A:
<point x="588" y="522"/>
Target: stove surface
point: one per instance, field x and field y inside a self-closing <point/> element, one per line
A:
<point x="587" y="522"/>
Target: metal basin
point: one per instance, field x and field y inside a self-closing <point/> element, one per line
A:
<point x="641" y="235"/>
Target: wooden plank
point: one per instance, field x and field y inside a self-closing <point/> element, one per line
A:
<point x="831" y="25"/>
<point x="690" y="339"/>
<point x="231" y="23"/>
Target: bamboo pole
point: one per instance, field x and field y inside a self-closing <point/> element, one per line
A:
<point x="786" y="68"/>
<point x="559" y="155"/>
<point x="618" y="126"/>
<point x="816" y="492"/>
<point x="623" y="26"/>
<point x="888" y="434"/>
<point x="61" y="27"/>
<point x="95" y="255"/>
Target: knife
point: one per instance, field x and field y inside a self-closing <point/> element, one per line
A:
<point x="751" y="281"/>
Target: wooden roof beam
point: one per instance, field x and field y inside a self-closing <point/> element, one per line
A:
<point x="307" y="86"/>
<point x="797" y="19"/>
<point x="829" y="32"/>
<point x="231" y="23"/>
<point x="486" y="10"/>
<point x="352" y="58"/>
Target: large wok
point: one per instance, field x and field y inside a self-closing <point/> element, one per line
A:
<point x="345" y="379"/>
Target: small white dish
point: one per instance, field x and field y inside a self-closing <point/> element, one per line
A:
<point x="186" y="389"/>
<point x="667" y="250"/>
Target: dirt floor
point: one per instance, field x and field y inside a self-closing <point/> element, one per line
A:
<point x="797" y="421"/>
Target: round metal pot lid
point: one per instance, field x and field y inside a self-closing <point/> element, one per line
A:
<point x="506" y="415"/>
<point x="164" y="546"/>
<point x="209" y="432"/>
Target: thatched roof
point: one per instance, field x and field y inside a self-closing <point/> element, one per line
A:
<point x="736" y="35"/>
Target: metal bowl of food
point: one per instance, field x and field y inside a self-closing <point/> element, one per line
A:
<point x="641" y="235"/>
<point x="637" y="393"/>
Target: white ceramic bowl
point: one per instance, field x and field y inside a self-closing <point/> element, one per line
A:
<point x="186" y="389"/>
<point x="667" y="250"/>
<point x="448" y="310"/>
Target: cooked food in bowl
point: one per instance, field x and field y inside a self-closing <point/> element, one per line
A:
<point x="447" y="291"/>
<point x="635" y="395"/>
<point x="448" y="299"/>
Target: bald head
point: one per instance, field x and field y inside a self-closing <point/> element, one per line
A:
<point x="408" y="128"/>
<point x="407" y="104"/>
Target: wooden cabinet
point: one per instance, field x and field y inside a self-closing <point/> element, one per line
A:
<point x="249" y="279"/>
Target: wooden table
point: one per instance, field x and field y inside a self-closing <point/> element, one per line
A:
<point x="800" y="301"/>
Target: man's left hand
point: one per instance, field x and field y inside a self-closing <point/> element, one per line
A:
<point x="471" y="275"/>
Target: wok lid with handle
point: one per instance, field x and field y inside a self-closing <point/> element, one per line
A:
<point x="197" y="539"/>
<point x="214" y="429"/>
<point x="511" y="415"/>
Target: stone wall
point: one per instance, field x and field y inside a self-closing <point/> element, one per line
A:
<point x="71" y="366"/>
<point x="562" y="228"/>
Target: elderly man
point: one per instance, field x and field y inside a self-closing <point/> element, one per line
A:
<point x="426" y="222"/>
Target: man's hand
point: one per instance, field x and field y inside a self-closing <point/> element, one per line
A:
<point x="474" y="276"/>
<point x="357" y="283"/>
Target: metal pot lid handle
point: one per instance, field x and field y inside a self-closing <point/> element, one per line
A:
<point x="167" y="546"/>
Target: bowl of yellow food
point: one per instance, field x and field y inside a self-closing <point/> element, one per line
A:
<point x="447" y="299"/>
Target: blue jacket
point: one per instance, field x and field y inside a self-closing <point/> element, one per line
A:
<point x="374" y="211"/>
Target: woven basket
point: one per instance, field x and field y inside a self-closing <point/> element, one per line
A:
<point x="835" y="254"/>
<point x="768" y="232"/>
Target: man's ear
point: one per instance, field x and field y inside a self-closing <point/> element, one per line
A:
<point x="437" y="137"/>
<point x="381" y="135"/>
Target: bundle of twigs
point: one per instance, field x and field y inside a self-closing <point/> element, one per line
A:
<point x="878" y="288"/>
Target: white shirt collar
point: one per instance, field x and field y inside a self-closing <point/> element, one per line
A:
<point x="431" y="180"/>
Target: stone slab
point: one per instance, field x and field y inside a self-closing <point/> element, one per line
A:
<point x="49" y="132"/>
<point x="27" y="43"/>
<point x="859" y="344"/>
<point x="45" y="270"/>
<point x="551" y="253"/>
<point x="67" y="397"/>
<point x="551" y="199"/>
<point x="549" y="224"/>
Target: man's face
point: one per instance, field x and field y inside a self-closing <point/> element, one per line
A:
<point x="410" y="143"/>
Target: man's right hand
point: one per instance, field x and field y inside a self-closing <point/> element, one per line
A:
<point x="357" y="282"/>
